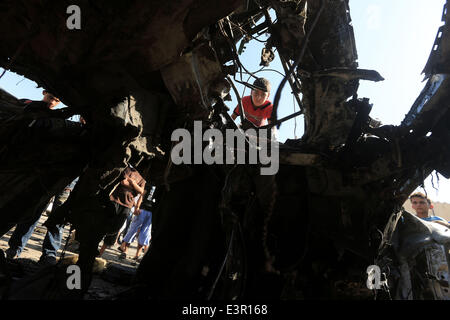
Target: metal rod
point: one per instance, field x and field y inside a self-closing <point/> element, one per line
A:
<point x="282" y="120"/>
<point x="297" y="62"/>
<point x="285" y="65"/>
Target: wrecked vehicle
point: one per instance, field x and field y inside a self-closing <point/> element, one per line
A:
<point x="414" y="258"/>
<point x="219" y="231"/>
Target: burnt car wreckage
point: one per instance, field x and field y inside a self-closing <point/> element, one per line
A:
<point x="138" y="70"/>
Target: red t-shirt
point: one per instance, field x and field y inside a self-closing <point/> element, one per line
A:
<point x="257" y="115"/>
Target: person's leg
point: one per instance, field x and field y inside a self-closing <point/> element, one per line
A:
<point x="116" y="239"/>
<point x="118" y="220"/>
<point x="73" y="236"/>
<point x="52" y="241"/>
<point x="20" y="237"/>
<point x="144" y="233"/>
<point x="102" y="249"/>
<point x="120" y="236"/>
<point x="124" y="246"/>
<point x="108" y="241"/>
<point x="129" y="219"/>
<point x="137" y="251"/>
<point x="127" y="227"/>
<point x="129" y="237"/>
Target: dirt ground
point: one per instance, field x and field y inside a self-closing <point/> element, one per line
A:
<point x="114" y="278"/>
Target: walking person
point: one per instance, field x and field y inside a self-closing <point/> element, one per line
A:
<point x="52" y="240"/>
<point x="140" y="228"/>
<point x="131" y="186"/>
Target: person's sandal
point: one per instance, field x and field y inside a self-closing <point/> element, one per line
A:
<point x="120" y="249"/>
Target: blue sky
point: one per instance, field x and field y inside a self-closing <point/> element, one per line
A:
<point x="394" y="37"/>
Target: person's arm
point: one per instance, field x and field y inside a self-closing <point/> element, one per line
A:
<point x="442" y="222"/>
<point x="269" y="114"/>
<point x="132" y="183"/>
<point x="137" y="207"/>
<point x="235" y="113"/>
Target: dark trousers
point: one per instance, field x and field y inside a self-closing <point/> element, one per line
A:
<point x="24" y="230"/>
<point x="121" y="215"/>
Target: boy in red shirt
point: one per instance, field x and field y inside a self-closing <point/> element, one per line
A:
<point x="257" y="108"/>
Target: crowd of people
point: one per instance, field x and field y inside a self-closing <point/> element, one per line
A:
<point x="127" y="198"/>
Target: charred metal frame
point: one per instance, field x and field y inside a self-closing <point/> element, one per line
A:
<point x="135" y="80"/>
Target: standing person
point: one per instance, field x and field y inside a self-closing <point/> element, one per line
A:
<point x="257" y="107"/>
<point x="52" y="240"/>
<point x="141" y="223"/>
<point x="24" y="230"/>
<point x="422" y="205"/>
<point x="126" y="226"/>
<point x="131" y="186"/>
